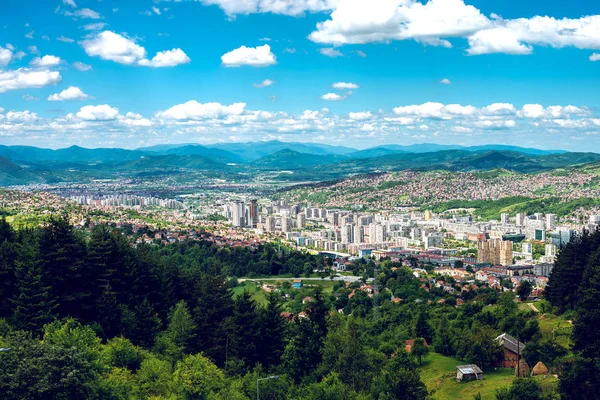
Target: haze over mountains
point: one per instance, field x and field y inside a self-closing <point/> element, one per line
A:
<point x="26" y="164"/>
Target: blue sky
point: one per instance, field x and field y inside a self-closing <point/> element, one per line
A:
<point x="117" y="73"/>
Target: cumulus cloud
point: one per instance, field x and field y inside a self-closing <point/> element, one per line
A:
<point x="65" y="39"/>
<point x="435" y="21"/>
<point x="120" y="49"/>
<point x="71" y="93"/>
<point x="6" y="56"/>
<point x="518" y="35"/>
<point x="595" y="57"/>
<point x="332" y="97"/>
<point x="46" y="61"/>
<point x="84" y="13"/>
<point x="81" y="66"/>
<point x="167" y="58"/>
<point x="360" y="116"/>
<point x="193" y="110"/>
<point x="260" y="56"/>
<point x="70" y="3"/>
<point x="345" y="86"/>
<point x="283" y="7"/>
<point x="331" y="52"/>
<point x="102" y="112"/>
<point x="359" y="22"/>
<point x="25" y="78"/>
<point x="21" y="116"/>
<point x="446" y="81"/>
<point x="265" y="83"/>
<point x="96" y="26"/>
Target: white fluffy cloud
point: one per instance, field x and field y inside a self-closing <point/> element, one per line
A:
<point x="193" y="110"/>
<point x="446" y="81"/>
<point x="25" y="78"/>
<point x="518" y="36"/>
<point x="6" y="56"/>
<point x="71" y="93"/>
<point x="167" y="58"/>
<point x="265" y="83"/>
<point x="332" y="97"/>
<point x="496" y="110"/>
<point x="70" y="3"/>
<point x="46" y="61"/>
<point x="65" y="39"/>
<point x="436" y="21"/>
<point x="81" y="66"/>
<point x="360" y="116"/>
<point x="331" y="52"/>
<point x="260" y="56"/>
<point x="359" y="22"/>
<point x="595" y="57"/>
<point x="345" y="86"/>
<point x="102" y="112"/>
<point x="114" y="47"/>
<point x="84" y="13"/>
<point x="284" y="7"/>
<point x="21" y="116"/>
<point x="96" y="26"/>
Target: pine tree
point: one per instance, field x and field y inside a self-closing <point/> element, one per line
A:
<point x="32" y="302"/>
<point x="422" y="328"/>
<point x="244" y="329"/>
<point x="273" y="333"/>
<point x="8" y="283"/>
<point x="109" y="312"/>
<point x="61" y="256"/>
<point x="213" y="307"/>
<point x="586" y="336"/>
<point x="442" y="343"/>
<point x="103" y="261"/>
<point x="144" y="326"/>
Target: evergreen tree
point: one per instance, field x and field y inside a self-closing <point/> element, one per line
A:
<point x="272" y="341"/>
<point x="213" y="306"/>
<point x="586" y="335"/>
<point x="33" y="306"/>
<point x="177" y="339"/>
<point x="569" y="267"/>
<point x="442" y="343"/>
<point x="8" y="255"/>
<point x="109" y="312"/>
<point x="103" y="261"/>
<point x="243" y="330"/>
<point x="422" y="328"/>
<point x="61" y="256"/>
<point x="141" y="326"/>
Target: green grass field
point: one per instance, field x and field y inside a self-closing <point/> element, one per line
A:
<point x="439" y="375"/>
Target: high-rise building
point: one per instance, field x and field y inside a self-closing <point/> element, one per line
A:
<point x="286" y="224"/>
<point x="270" y="224"/>
<point x="550" y="251"/>
<point x="495" y="252"/>
<point x="238" y="215"/>
<point x="253" y="213"/>
<point x="505" y="218"/>
<point x="301" y="220"/>
<point x="550" y="221"/>
<point x="359" y="234"/>
<point x="520" y="219"/>
<point x="347" y="234"/>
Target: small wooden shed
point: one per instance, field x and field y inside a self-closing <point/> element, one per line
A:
<point x="469" y="372"/>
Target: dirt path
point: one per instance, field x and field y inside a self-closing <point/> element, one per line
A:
<point x="534" y="308"/>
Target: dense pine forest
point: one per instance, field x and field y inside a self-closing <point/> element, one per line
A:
<point x="88" y="315"/>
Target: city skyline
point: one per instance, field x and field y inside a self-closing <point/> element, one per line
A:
<point x="139" y="73"/>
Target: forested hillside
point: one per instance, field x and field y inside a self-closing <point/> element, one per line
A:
<point x="88" y="315"/>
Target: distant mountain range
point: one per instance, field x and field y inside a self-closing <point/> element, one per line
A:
<point x="308" y="161"/>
